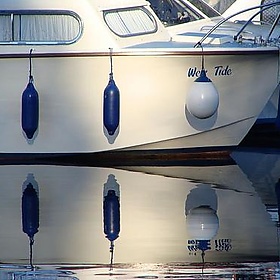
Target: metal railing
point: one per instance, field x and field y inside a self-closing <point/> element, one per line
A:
<point x="261" y="9"/>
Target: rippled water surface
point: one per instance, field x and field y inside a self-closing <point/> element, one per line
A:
<point x="217" y="221"/>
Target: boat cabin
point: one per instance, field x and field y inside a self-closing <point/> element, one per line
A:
<point x="86" y="25"/>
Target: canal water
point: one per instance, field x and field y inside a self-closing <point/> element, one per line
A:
<point x="204" y="221"/>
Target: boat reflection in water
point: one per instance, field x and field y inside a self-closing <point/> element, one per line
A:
<point x="201" y="217"/>
<point x="30" y="212"/>
<point x="111" y="212"/>
<point x="173" y="219"/>
<point x="30" y="226"/>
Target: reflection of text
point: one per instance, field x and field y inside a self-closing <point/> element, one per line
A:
<point x="223" y="244"/>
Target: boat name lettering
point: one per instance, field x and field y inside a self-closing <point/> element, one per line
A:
<point x="222" y="71"/>
<point x="219" y="70"/>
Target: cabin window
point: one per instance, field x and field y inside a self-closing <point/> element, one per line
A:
<point x="6" y="30"/>
<point x="130" y="22"/>
<point x="39" y="28"/>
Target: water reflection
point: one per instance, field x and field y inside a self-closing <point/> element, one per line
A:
<point x="30" y="212"/>
<point x="30" y="226"/>
<point x="111" y="212"/>
<point x="168" y="222"/>
<point x="201" y="217"/>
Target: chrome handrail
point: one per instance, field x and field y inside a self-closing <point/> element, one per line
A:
<point x="254" y="15"/>
<point x="261" y="7"/>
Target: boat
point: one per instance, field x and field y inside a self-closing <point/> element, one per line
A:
<point x="87" y="77"/>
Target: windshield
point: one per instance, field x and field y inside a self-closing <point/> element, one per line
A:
<point x="219" y="5"/>
<point x="172" y="12"/>
<point x="207" y="7"/>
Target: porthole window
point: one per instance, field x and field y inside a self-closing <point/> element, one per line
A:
<point x="40" y="27"/>
<point x="130" y="22"/>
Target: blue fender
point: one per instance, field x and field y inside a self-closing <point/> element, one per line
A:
<point x="30" y="110"/>
<point x="111" y="107"/>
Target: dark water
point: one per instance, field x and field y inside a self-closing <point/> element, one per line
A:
<point x="218" y="221"/>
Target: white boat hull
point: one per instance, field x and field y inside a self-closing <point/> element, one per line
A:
<point x="152" y="111"/>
